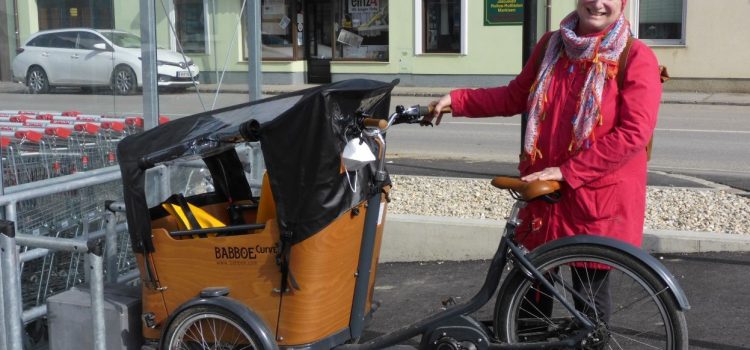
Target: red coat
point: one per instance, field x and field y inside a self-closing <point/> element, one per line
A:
<point x="604" y="192"/>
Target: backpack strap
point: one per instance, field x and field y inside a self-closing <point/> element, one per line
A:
<point x="622" y="62"/>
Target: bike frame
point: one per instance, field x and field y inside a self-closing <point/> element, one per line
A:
<point x="507" y="249"/>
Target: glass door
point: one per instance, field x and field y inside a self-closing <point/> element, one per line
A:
<point x="318" y="29"/>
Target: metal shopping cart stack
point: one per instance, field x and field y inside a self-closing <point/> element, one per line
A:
<point x="44" y="146"/>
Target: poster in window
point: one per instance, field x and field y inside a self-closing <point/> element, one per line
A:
<point x="503" y="12"/>
<point x="364" y="6"/>
<point x="348" y="38"/>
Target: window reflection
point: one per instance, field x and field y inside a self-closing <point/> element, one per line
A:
<point x="325" y="29"/>
<point x="55" y="14"/>
<point x="442" y="21"/>
<point x="190" y="25"/>
<point x="661" y="20"/>
<point x="362" y="30"/>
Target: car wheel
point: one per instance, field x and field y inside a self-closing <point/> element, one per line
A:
<point x="37" y="81"/>
<point x="124" y="81"/>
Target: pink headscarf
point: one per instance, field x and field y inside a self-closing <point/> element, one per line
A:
<point x="602" y="52"/>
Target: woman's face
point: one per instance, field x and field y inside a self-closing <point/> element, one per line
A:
<point x="596" y="15"/>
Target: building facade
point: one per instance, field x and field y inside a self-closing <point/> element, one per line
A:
<point x="421" y="42"/>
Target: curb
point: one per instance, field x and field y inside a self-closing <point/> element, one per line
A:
<point x="411" y="238"/>
<point x="676" y="97"/>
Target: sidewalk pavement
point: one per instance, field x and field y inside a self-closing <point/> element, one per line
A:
<point x="409" y="238"/>
<point x="677" y="97"/>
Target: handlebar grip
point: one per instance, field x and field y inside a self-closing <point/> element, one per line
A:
<point x="375" y="123"/>
<point x="430" y="109"/>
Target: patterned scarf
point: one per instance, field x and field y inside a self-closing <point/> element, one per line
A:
<point x="599" y="55"/>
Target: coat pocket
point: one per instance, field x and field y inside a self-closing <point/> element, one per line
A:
<point x="597" y="200"/>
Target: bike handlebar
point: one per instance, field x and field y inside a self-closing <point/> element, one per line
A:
<point x="402" y="115"/>
<point x="375" y="123"/>
<point x="430" y="109"/>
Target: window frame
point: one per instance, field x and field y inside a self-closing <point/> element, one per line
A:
<point x="635" y="15"/>
<point x="419" y="32"/>
<point x="63" y="37"/>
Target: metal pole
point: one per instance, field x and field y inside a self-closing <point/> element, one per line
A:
<point x="97" y="294"/>
<point x="3" y="341"/>
<point x="12" y="302"/>
<point x="253" y="49"/>
<point x="98" y="176"/>
<point x="528" y="42"/>
<point x="364" y="266"/>
<point x="148" y="57"/>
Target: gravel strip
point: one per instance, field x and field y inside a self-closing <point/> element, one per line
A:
<point x="683" y="209"/>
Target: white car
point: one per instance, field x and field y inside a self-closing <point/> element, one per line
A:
<point x="88" y="58"/>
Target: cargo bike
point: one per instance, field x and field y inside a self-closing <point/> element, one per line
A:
<point x="292" y="265"/>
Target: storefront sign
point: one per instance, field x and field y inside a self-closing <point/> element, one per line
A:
<point x="364" y="6"/>
<point x="503" y="12"/>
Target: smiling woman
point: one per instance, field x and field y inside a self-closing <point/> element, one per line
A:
<point x="596" y="15"/>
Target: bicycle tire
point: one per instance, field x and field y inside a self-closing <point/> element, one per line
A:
<point x="199" y="327"/>
<point x="633" y="287"/>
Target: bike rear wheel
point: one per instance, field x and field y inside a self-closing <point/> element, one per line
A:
<point x="638" y="311"/>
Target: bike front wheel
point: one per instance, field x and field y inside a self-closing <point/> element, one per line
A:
<point x="209" y="328"/>
<point x="630" y="305"/>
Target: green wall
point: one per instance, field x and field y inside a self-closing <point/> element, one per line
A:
<point x="491" y="50"/>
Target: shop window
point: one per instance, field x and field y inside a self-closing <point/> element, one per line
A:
<point x="440" y="26"/>
<point x="361" y="28"/>
<point x="661" y="21"/>
<point x="190" y="25"/>
<point x="277" y="28"/>
<point x="54" y="14"/>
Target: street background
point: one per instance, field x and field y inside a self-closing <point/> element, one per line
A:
<point x="701" y="141"/>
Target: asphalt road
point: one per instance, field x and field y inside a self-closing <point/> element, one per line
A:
<point x="702" y="142"/>
<point x="715" y="283"/>
<point x="691" y="143"/>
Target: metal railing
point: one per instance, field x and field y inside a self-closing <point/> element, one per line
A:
<point x="68" y="215"/>
<point x="100" y="247"/>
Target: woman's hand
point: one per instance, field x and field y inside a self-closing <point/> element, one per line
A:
<point x="437" y="107"/>
<point x="551" y="173"/>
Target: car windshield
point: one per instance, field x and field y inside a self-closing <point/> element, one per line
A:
<point x="126" y="40"/>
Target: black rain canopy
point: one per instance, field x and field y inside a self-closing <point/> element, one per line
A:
<point x="302" y="135"/>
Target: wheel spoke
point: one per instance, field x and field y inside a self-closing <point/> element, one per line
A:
<point x="628" y="303"/>
<point x="210" y="330"/>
